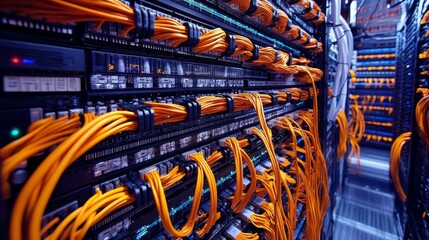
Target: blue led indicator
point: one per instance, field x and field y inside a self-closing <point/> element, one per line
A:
<point x="28" y="61"/>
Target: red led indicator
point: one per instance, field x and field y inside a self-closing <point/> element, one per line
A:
<point x="14" y="60"/>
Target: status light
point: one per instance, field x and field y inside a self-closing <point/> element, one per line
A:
<point x="15" y="60"/>
<point x="15" y="132"/>
<point x="28" y="61"/>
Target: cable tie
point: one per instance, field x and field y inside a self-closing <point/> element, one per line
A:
<point x="189" y="167"/>
<point x="189" y="108"/>
<point x="253" y="141"/>
<point x="197" y="108"/>
<point x="289" y="61"/>
<point x="316" y="17"/>
<point x="193" y="108"/>
<point x="229" y="103"/>
<point x="288" y="96"/>
<point x="230" y="39"/>
<point x="138" y="19"/>
<point x="82" y="118"/>
<point x="310" y="7"/>
<point x="142" y="188"/>
<point x="289" y="25"/>
<point x="226" y="153"/>
<point x="146" y="193"/>
<point x="274" y="98"/>
<point x="145" y="115"/>
<point x="275" y="17"/>
<point x="317" y="45"/>
<point x="132" y="188"/>
<point x="308" y="40"/>
<point x="252" y="7"/>
<point x="151" y="23"/>
<point x="193" y="33"/>
<point x="276" y="55"/>
<point x="255" y="54"/>
<point x="145" y="20"/>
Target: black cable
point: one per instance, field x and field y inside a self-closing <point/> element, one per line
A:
<point x="360" y="6"/>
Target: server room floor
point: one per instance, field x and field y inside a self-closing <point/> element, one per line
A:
<point x="365" y="210"/>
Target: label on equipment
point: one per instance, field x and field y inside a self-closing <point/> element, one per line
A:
<point x="41" y="84"/>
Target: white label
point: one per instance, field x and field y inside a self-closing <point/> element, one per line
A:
<point x="30" y="84"/>
<point x="12" y="84"/>
<point x="41" y="84"/>
<point x="60" y="85"/>
<point x="47" y="84"/>
<point x="73" y="84"/>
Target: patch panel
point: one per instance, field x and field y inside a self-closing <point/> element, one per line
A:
<point x="147" y="154"/>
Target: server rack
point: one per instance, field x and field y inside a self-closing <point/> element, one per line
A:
<point x="373" y="89"/>
<point x="417" y="227"/>
<point x="52" y="69"/>
<point x="414" y="157"/>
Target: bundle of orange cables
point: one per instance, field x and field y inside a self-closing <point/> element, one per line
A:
<point x="77" y="11"/>
<point x="212" y="104"/>
<point x="317" y="49"/>
<point x="161" y="203"/>
<point x="264" y="12"/>
<point x="241" y="5"/>
<point x="304" y="38"/>
<point x="167" y="112"/>
<point x="311" y="196"/>
<point x="41" y="135"/>
<point x="356" y="130"/>
<point x="343" y="134"/>
<point x="304" y="73"/>
<point x="170" y="30"/>
<point x="274" y="60"/>
<point x="293" y="33"/>
<point x="313" y="44"/>
<point x="244" y="48"/>
<point x="395" y="157"/>
<point x="31" y="203"/>
<point x="77" y="224"/>
<point x="212" y="41"/>
<point x="265" y="135"/>
<point x="422" y="115"/>
<point x="280" y="64"/>
<point x="240" y="199"/>
<point x="313" y="11"/>
<point x="301" y="61"/>
<point x="281" y="24"/>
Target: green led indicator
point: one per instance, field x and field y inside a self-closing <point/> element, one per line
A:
<point x="15" y="132"/>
